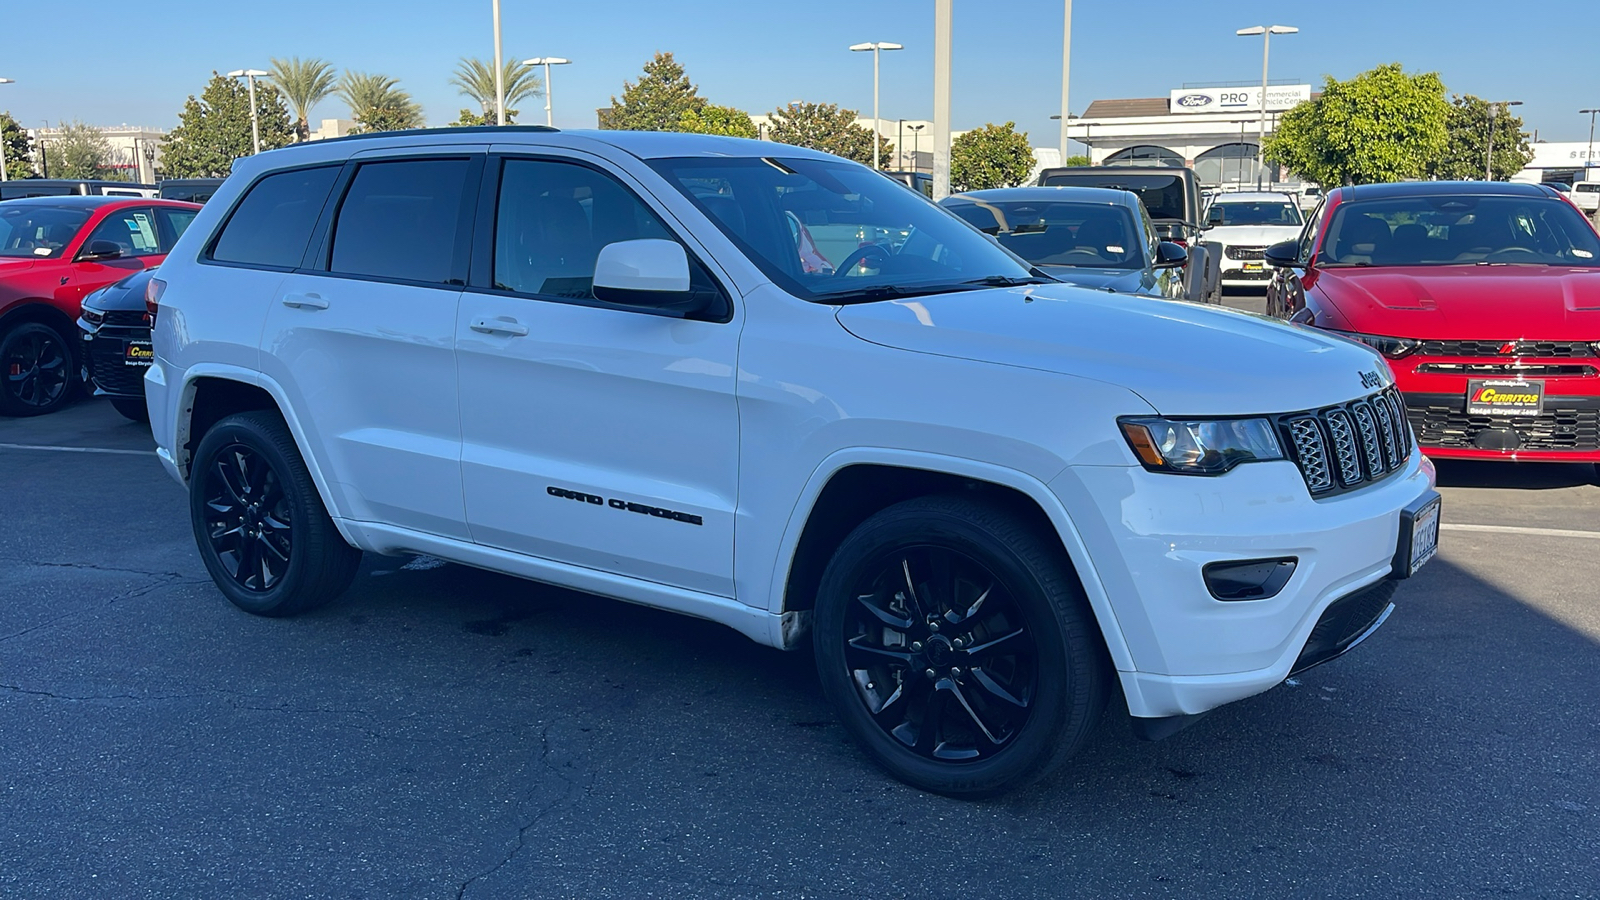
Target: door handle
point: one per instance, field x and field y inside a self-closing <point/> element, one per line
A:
<point x="510" y="327"/>
<point x="304" y="301"/>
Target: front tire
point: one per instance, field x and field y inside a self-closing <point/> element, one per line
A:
<point x="259" y="523"/>
<point x="37" y="373"/>
<point x="957" y="647"/>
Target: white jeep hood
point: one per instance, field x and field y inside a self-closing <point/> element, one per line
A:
<point x="1182" y="358"/>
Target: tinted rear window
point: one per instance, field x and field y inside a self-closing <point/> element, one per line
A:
<point x="1161" y="194"/>
<point x="400" y="220"/>
<point x="273" y="224"/>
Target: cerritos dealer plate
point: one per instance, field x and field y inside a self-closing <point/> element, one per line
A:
<point x="1506" y="397"/>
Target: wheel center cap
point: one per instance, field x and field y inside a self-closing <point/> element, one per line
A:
<point x="939" y="650"/>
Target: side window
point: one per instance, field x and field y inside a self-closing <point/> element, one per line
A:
<point x="1308" y="235"/>
<point x="400" y="219"/>
<point x="273" y="225"/>
<point x="173" y="223"/>
<point x="553" y="218"/>
<point x="133" y="230"/>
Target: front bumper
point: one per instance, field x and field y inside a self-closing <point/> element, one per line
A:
<point x="105" y="363"/>
<point x="1567" y="431"/>
<point x="1151" y="535"/>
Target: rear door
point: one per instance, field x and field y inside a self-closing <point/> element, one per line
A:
<point x="362" y="338"/>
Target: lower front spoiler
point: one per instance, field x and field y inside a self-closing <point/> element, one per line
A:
<point x="1344" y="624"/>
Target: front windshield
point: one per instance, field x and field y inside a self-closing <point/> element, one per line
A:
<point x="1457" y="230"/>
<point x="38" y="232"/>
<point x="1093" y="235"/>
<point x="837" y="232"/>
<point x="1254" y="212"/>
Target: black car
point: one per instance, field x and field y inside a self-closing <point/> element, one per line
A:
<point x="23" y="188"/>
<point x="1086" y="236"/>
<point x="1172" y="195"/>
<point x="194" y="190"/>
<point x="116" y="343"/>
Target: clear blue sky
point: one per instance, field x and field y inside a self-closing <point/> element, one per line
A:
<point x="756" y="55"/>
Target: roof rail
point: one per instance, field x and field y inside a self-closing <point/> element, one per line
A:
<point x="458" y="129"/>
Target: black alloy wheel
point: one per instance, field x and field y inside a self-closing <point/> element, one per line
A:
<point x="941" y="654"/>
<point x="37" y="366"/>
<point x="248" y="518"/>
<point x="954" y="641"/>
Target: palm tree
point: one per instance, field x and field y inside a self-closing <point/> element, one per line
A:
<point x="305" y="83"/>
<point x="377" y="103"/>
<point x="475" y="77"/>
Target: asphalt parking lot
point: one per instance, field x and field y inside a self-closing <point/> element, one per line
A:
<point x="443" y="732"/>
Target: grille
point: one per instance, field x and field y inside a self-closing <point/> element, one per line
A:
<point x="1245" y="252"/>
<point x="1556" y="429"/>
<point x="1523" y="370"/>
<point x="1347" y="446"/>
<point x="1535" y="349"/>
<point x="125" y="317"/>
<point x="109" y="372"/>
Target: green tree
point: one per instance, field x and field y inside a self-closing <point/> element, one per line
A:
<point x="1381" y="125"/>
<point x="468" y="118"/>
<point x="1077" y="159"/>
<point x="657" y="102"/>
<point x="1466" y="142"/>
<point x="18" y="147"/>
<point x="994" y="156"/>
<point x="713" y="119"/>
<point x="377" y="103"/>
<point x="475" y="78"/>
<point x="826" y="127"/>
<point x="77" y="150"/>
<point x="214" y="130"/>
<point x="304" y="83"/>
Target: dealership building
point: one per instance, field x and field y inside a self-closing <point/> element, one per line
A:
<point x="1211" y="128"/>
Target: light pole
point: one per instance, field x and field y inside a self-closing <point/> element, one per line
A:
<point x="916" y="147"/>
<point x="1588" y="158"/>
<point x="3" y="138"/>
<point x="877" y="47"/>
<point x="942" y="29"/>
<point x="547" y="62"/>
<point x="499" y="72"/>
<point x="1488" y="159"/>
<point x="1066" y="69"/>
<point x="1266" y="32"/>
<point x="251" y="75"/>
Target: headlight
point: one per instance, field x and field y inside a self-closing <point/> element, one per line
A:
<point x="1392" y="347"/>
<point x="1200" y="446"/>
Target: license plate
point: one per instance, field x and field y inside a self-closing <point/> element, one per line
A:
<point x="1252" y="267"/>
<point x="139" y="353"/>
<point x="1505" y="397"/>
<point x="1424" y="536"/>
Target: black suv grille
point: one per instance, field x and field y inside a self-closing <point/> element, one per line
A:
<point x="1246" y="252"/>
<point x="110" y="373"/>
<point x="125" y="317"/>
<point x="1340" y="448"/>
<point x="1502" y="349"/>
<point x="1557" y="428"/>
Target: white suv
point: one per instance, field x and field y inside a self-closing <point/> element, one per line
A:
<point x="1241" y="226"/>
<point x="770" y="388"/>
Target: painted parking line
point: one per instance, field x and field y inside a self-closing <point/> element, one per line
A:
<point x="47" y="447"/>
<point x="1519" y="529"/>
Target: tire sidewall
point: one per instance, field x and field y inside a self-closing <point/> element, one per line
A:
<point x="14" y="408"/>
<point x="857" y="557"/>
<point x="249" y="430"/>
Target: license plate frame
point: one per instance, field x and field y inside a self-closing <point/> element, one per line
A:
<point x="132" y="358"/>
<point x="1253" y="266"/>
<point x="1418" y="540"/>
<point x="1479" y="404"/>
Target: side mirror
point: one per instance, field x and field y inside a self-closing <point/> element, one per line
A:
<point x="1285" y="255"/>
<point x="1170" y="255"/>
<point x="649" y="273"/>
<point x="101" y="250"/>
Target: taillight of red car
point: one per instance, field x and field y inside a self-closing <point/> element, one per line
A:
<point x="152" y="298"/>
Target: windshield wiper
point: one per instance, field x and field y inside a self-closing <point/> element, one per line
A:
<point x="1008" y="281"/>
<point x="883" y="292"/>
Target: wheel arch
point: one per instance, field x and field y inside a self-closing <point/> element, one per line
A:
<point x="46" y="313"/>
<point x="852" y="485"/>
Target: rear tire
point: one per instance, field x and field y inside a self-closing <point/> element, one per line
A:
<point x="37" y="372"/>
<point x="972" y="594"/>
<point x="133" y="408"/>
<point x="259" y="523"/>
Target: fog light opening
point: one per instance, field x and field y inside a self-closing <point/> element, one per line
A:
<point x="1248" y="579"/>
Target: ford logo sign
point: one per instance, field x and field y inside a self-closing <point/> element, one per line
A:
<point x="1190" y="101"/>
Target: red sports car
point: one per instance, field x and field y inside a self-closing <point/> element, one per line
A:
<point x="53" y="252"/>
<point x="1484" y="297"/>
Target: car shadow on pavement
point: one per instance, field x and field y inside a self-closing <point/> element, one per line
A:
<point x="1470" y="473"/>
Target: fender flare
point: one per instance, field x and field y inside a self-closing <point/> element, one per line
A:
<point x="1028" y="485"/>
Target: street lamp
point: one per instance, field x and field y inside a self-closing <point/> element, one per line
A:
<point x="1066" y="69"/>
<point x="1488" y="160"/>
<point x="916" y="147"/>
<point x="251" y="75"/>
<point x="1588" y="158"/>
<point x="2" y="138"/>
<point x="876" y="47"/>
<point x="547" y="62"/>
<point x="499" y="72"/>
<point x="1266" y="32"/>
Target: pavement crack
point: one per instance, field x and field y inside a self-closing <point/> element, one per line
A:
<point x="133" y="594"/>
<point x="45" y="564"/>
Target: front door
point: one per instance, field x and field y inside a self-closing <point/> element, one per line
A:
<point x="595" y="435"/>
<point x="363" y="339"/>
